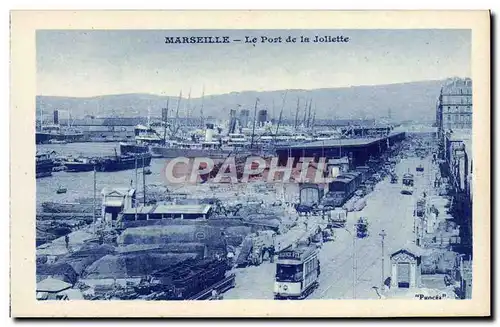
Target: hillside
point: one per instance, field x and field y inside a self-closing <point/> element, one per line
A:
<point x="405" y="101"/>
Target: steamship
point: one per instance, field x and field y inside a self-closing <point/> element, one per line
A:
<point x="144" y="137"/>
<point x="56" y="133"/>
<point x="207" y="149"/>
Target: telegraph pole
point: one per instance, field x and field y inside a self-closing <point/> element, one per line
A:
<point x="94" y="219"/>
<point x="383" y="235"/>
<point x="135" y="191"/>
<point x="143" y="182"/>
<point x="354" y="268"/>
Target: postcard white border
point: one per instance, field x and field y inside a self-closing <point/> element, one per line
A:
<point x="23" y="91"/>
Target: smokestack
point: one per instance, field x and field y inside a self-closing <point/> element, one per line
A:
<point x="244" y="117"/>
<point x="262" y="117"/>
<point x="232" y="121"/>
<point x="164" y="114"/>
<point x="209" y="133"/>
<point x="56" y="117"/>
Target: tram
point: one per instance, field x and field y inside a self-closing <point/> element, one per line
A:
<point x="297" y="272"/>
<point x="408" y="181"/>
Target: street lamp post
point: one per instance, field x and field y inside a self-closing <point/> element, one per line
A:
<point x="354" y="263"/>
<point x="383" y="235"/>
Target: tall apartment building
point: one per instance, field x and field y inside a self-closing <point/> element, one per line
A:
<point x="454" y="106"/>
<point x="454" y="123"/>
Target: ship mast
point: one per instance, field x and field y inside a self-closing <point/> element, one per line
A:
<point x="176" y="128"/>
<point x="281" y="115"/>
<point x="165" y="119"/>
<point x="149" y="116"/>
<point x="254" y="119"/>
<point x="309" y="114"/>
<point x="296" y="114"/>
<point x="313" y="118"/>
<point x="201" y="109"/>
<point x="305" y="114"/>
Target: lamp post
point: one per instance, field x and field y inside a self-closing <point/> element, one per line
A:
<point x="354" y="263"/>
<point x="383" y="235"/>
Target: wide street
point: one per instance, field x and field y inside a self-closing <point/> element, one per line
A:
<point x="386" y="209"/>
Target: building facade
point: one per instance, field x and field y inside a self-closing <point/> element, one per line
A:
<point x="454" y="106"/>
<point x="454" y="124"/>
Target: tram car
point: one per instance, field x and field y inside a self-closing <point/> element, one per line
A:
<point x="297" y="272"/>
<point x="408" y="181"/>
<point x="342" y="188"/>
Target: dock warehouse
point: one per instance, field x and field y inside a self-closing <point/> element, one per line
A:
<point x="163" y="211"/>
<point x="359" y="150"/>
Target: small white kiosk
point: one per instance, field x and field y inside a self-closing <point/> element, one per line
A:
<point x="406" y="267"/>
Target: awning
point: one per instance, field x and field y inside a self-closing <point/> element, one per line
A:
<point x="114" y="203"/>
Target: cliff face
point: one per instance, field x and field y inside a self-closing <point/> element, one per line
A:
<point x="403" y="101"/>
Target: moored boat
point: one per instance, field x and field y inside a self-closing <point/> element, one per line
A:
<point x="80" y="164"/>
<point x="61" y="190"/>
<point x="124" y="162"/>
<point x="44" y="164"/>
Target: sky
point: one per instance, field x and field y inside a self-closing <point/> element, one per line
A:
<point x="93" y="62"/>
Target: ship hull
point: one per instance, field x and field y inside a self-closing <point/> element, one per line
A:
<point x="127" y="148"/>
<point x="121" y="163"/>
<point x="170" y="153"/>
<point x="42" y="138"/>
<point x="44" y="168"/>
<point x="78" y="167"/>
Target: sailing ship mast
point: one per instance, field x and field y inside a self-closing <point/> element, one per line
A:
<point x="313" y="118"/>
<point x="309" y="114"/>
<point x="254" y="119"/>
<point x="165" y="119"/>
<point x="176" y="128"/>
<point x="296" y="114"/>
<point x="201" y="109"/>
<point x="305" y="114"/>
<point x="281" y="115"/>
<point x="149" y="116"/>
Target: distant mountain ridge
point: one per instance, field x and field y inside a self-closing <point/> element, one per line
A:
<point x="402" y="101"/>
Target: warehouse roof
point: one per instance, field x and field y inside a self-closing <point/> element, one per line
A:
<point x="362" y="141"/>
<point x="201" y="209"/>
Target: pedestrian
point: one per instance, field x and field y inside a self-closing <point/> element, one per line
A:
<point x="215" y="294"/>
<point x="271" y="254"/>
<point x="66" y="240"/>
<point x="230" y="258"/>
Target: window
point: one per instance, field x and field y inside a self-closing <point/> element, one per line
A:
<point x="288" y="273"/>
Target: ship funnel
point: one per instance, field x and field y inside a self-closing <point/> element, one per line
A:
<point x="209" y="133"/>
<point x="56" y="117"/>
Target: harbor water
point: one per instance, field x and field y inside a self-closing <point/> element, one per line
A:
<point x="81" y="184"/>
